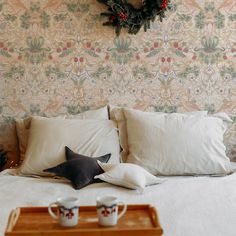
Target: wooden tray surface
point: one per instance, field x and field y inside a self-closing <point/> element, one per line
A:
<point x="36" y="221"/>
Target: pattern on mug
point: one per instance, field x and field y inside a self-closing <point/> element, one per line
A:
<point x="70" y="214"/>
<point x="108" y="210"/>
<point x="67" y="212"/>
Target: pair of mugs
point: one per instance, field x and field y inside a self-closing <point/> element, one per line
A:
<point x="68" y="211"/>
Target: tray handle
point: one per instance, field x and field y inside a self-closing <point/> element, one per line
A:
<point x="14" y="215"/>
<point x="154" y="217"/>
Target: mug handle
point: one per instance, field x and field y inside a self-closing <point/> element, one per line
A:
<point x="55" y="217"/>
<point x="123" y="211"/>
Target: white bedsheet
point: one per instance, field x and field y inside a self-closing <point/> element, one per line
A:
<point x="187" y="206"/>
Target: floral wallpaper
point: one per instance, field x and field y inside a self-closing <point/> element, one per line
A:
<point x="57" y="58"/>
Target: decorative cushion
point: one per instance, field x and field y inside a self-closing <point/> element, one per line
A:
<point x="127" y="175"/>
<point x="117" y="115"/>
<point x="79" y="169"/>
<point x="23" y="126"/>
<point x="49" y="136"/>
<point x="176" y="144"/>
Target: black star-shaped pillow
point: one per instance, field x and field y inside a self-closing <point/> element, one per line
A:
<point x="79" y="169"/>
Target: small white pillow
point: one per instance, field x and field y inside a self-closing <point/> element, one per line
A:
<point x="127" y="175"/>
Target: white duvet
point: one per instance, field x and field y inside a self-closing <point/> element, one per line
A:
<point x="187" y="206"/>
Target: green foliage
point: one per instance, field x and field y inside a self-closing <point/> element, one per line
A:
<point x="228" y="71"/>
<point x="45" y="18"/>
<point x="25" y="20"/>
<point x="50" y="71"/>
<point x="153" y="53"/>
<point x="166" y="109"/>
<point x="189" y="70"/>
<point x="91" y="53"/>
<point x="139" y="71"/>
<point x="72" y="7"/>
<point x="66" y="52"/>
<point x="122" y="51"/>
<point x="76" y="109"/>
<point x="4" y="53"/>
<point x="102" y="71"/>
<point x="122" y="14"/>
<point x="233" y="118"/>
<point x="14" y="71"/>
<point x="209" y="7"/>
<point x="219" y="20"/>
<point x="210" y="108"/>
<point x="9" y="17"/>
<point x="200" y="20"/>
<point x="60" y="17"/>
<point x="179" y="53"/>
<point x="77" y="7"/>
<point x="35" y="52"/>
<point x="35" y="7"/>
<point x="210" y="52"/>
<point x="232" y="17"/>
<point x="184" y="17"/>
<point x="36" y="110"/>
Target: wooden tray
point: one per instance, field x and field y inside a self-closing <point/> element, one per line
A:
<point x="139" y="220"/>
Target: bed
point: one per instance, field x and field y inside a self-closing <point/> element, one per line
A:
<point x="187" y="206"/>
<point x="197" y="198"/>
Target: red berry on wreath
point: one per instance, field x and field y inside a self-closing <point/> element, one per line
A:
<point x="164" y="4"/>
<point x="123" y="16"/>
<point x="112" y="18"/>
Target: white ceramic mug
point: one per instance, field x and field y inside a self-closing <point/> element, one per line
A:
<point x="68" y="211"/>
<point x="107" y="210"/>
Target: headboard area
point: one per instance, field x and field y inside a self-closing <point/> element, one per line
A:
<point x="56" y="58"/>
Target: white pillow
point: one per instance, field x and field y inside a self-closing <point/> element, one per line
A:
<point x="127" y="175"/>
<point x="176" y="144"/>
<point x="117" y="115"/>
<point x="49" y="136"/>
<point x="23" y="126"/>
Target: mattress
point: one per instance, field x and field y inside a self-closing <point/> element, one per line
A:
<point x="187" y="206"/>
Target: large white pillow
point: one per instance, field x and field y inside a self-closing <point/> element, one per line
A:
<point x="23" y="126"/>
<point x="127" y="175"/>
<point x="176" y="144"/>
<point x="117" y="115"/>
<point x="49" y="136"/>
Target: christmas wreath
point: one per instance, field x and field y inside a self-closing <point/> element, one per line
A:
<point x="122" y="14"/>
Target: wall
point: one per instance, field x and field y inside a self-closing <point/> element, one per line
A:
<point x="57" y="58"/>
